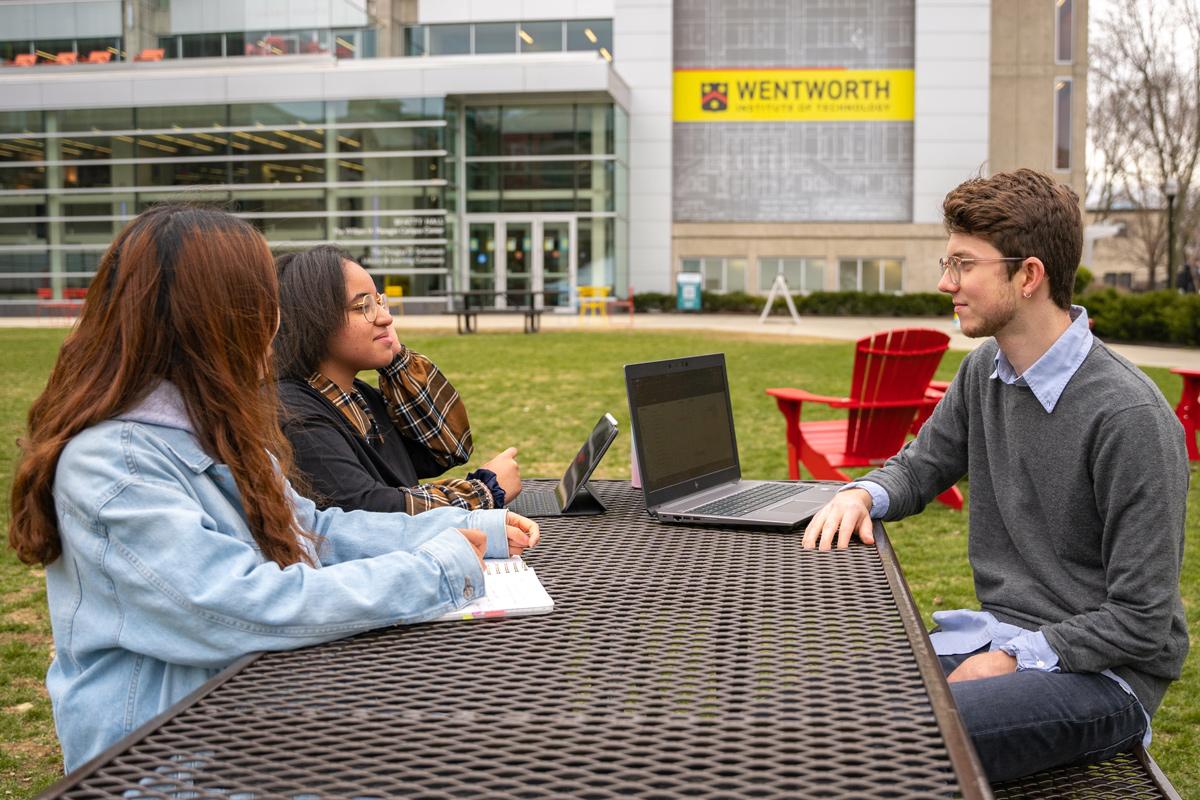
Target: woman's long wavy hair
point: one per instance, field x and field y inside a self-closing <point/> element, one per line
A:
<point x="185" y="294"/>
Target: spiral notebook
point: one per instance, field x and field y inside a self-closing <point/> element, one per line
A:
<point x="513" y="589"/>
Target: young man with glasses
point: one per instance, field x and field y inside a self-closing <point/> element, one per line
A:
<point x="357" y="446"/>
<point x="1078" y="491"/>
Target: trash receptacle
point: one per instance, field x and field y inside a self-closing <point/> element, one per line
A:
<point x="687" y="291"/>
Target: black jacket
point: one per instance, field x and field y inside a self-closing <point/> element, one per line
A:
<point x="341" y="469"/>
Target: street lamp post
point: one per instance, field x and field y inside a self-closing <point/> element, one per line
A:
<point x="1170" y="189"/>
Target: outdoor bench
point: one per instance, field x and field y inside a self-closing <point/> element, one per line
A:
<point x="466" y="306"/>
<point x="1128" y="776"/>
<point x="467" y="322"/>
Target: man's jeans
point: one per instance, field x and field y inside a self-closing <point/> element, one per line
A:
<point x="1029" y="721"/>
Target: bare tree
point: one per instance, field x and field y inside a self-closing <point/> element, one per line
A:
<point x="1144" y="120"/>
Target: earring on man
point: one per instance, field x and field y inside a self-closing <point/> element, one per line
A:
<point x="1027" y="295"/>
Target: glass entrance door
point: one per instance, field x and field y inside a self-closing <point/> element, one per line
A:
<point x="558" y="261"/>
<point x="519" y="262"/>
<point x="481" y="258"/>
<point x="509" y="256"/>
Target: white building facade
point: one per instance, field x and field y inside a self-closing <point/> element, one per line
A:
<point x="515" y="146"/>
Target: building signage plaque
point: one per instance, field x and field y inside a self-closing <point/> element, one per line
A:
<point x="793" y="95"/>
<point x="401" y="242"/>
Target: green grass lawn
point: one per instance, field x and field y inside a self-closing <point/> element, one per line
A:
<point x="542" y="393"/>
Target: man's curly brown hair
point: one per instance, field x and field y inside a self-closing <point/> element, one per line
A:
<point x="1023" y="214"/>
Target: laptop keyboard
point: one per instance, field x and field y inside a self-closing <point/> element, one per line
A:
<point x="535" y="504"/>
<point x="736" y="505"/>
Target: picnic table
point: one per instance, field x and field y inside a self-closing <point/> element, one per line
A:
<point x="678" y="662"/>
<point x="467" y="305"/>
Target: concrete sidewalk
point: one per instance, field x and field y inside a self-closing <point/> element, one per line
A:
<point x="780" y="327"/>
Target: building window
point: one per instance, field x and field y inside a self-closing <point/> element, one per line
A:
<point x="801" y="274"/>
<point x="720" y="274"/>
<point x="481" y="38"/>
<point x="541" y="37"/>
<point x="449" y="40"/>
<point x="1062" y="123"/>
<point x="528" y="158"/>
<point x="1063" y="31"/>
<point x="366" y="174"/>
<point x="343" y="43"/>
<point x="496" y="37"/>
<point x="202" y="45"/>
<point x="590" y="34"/>
<point x="1119" y="280"/>
<point x="870" y="275"/>
<point x="414" y="40"/>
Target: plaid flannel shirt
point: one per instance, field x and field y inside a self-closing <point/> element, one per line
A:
<point x="423" y="407"/>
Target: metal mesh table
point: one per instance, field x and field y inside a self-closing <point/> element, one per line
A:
<point x="678" y="662"/>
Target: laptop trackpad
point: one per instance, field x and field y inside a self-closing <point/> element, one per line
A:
<point x="797" y="508"/>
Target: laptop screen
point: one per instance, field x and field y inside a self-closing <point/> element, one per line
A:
<point x="682" y="421"/>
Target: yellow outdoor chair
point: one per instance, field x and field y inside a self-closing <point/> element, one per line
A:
<point x="594" y="300"/>
<point x="395" y="296"/>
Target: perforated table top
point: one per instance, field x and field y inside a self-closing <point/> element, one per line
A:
<point x="678" y="662"/>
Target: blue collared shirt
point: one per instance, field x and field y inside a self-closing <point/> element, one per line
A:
<point x="965" y="630"/>
<point x="1049" y="375"/>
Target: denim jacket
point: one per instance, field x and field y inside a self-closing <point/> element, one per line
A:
<point x="160" y="584"/>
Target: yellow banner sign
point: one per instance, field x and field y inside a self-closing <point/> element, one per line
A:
<point x="787" y="95"/>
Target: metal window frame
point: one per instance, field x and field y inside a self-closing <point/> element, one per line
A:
<point x="804" y="263"/>
<point x="316" y="155"/>
<point x="303" y="126"/>
<point x="859" y="275"/>
<point x="1068" y="83"/>
<point x="1058" y="6"/>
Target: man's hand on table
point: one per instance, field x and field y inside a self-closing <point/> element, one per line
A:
<point x="847" y="512"/>
<point x="984" y="665"/>
<point x="522" y="533"/>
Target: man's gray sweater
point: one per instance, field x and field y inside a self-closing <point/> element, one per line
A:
<point x="1076" y="516"/>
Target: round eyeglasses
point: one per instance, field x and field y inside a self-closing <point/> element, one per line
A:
<point x="370" y="305"/>
<point x="954" y="265"/>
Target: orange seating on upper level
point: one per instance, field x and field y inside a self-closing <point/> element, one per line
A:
<point x="150" y="54"/>
<point x="68" y="57"/>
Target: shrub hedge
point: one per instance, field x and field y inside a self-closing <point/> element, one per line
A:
<point x="1165" y="317"/>
<point x="817" y="304"/>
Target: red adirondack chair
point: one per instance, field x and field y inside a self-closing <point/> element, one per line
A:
<point x="890" y="396"/>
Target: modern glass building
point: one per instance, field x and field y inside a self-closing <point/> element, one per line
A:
<point x="528" y="145"/>
<point x="316" y="122"/>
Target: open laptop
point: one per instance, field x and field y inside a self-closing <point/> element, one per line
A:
<point x="571" y="496"/>
<point x="687" y="452"/>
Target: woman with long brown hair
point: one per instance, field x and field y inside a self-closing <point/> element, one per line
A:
<point x="151" y="488"/>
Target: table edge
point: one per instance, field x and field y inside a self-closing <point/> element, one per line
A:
<point x="125" y="743"/>
<point x="972" y="780"/>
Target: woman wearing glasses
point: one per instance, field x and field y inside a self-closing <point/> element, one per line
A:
<point x="150" y="487"/>
<point x="358" y="447"/>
